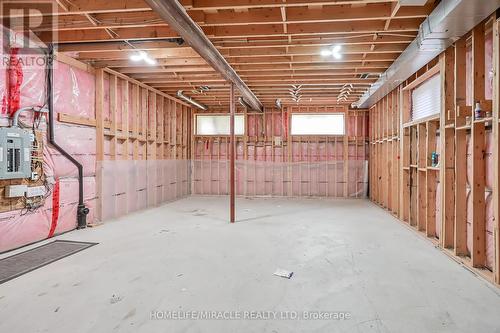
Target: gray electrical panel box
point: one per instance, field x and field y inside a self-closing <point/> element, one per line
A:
<point x="16" y="145"/>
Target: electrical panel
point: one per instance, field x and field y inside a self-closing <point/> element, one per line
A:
<point x="16" y="145"/>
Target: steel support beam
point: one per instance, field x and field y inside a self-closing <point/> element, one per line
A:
<point x="172" y="12"/>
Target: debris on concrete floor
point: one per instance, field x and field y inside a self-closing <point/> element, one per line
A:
<point x="115" y="299"/>
<point x="283" y="273"/>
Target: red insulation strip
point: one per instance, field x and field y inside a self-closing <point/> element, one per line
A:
<point x="55" y="209"/>
<point x="15" y="74"/>
<point x="285" y="125"/>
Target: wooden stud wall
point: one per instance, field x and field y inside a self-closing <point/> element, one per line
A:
<point x="435" y="200"/>
<point x="267" y="139"/>
<point x="135" y="122"/>
<point x="145" y="124"/>
<point x="385" y="150"/>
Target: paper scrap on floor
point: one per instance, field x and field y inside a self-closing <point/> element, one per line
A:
<point x="283" y="273"/>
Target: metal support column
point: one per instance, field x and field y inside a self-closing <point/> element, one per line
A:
<point x="232" y="152"/>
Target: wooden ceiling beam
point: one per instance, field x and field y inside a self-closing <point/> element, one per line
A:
<point x="160" y="62"/>
<point x="243" y="74"/>
<point x="97" y="34"/>
<point x="279" y="59"/>
<point x="297" y="29"/>
<point x="160" y="44"/>
<point x="275" y="90"/>
<point x="265" y="30"/>
<point x="75" y="7"/>
<point x="309" y="50"/>
<point x="106" y="46"/>
<point x="285" y="77"/>
<point x="106" y="20"/>
<point x="256" y="83"/>
<point x="283" y="41"/>
<point x="157" y="70"/>
<point x="187" y="52"/>
<point x="342" y="13"/>
<point x="236" y="4"/>
<point x="238" y="67"/>
<point x="312" y="59"/>
<point x="314" y="66"/>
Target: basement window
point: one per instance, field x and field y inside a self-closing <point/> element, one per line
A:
<point x="318" y="124"/>
<point x="219" y="124"/>
<point x="426" y="99"/>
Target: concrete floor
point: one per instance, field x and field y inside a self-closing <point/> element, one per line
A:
<point x="348" y="256"/>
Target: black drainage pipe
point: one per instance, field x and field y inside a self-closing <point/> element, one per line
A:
<point x="82" y="211"/>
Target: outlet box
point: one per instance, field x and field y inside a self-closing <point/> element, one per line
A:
<point x="15" y="191"/>
<point x="36" y="191"/>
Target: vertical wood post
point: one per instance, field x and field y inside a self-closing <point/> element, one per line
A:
<point x="477" y="185"/>
<point x="496" y="152"/>
<point x="99" y="115"/>
<point x="232" y="151"/>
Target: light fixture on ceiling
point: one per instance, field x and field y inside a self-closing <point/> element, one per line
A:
<point x="143" y="56"/>
<point x="334" y="51"/>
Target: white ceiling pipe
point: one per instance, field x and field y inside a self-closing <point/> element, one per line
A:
<point x="412" y="2"/>
<point x="188" y="99"/>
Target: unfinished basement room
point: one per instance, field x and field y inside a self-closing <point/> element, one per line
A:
<point x="253" y="166"/>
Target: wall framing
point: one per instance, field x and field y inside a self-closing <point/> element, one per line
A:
<point x="267" y="141"/>
<point x="448" y="204"/>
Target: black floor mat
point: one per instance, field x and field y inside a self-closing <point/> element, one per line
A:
<point x="27" y="261"/>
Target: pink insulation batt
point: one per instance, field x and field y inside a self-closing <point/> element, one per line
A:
<point x="74" y="92"/>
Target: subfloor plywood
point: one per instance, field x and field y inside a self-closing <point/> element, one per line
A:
<point x="346" y="255"/>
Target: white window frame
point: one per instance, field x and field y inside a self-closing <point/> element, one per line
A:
<point x="238" y="115"/>
<point x="437" y="77"/>
<point x="343" y="114"/>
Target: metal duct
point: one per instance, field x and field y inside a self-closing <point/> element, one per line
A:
<point x="449" y="21"/>
<point x="181" y="95"/>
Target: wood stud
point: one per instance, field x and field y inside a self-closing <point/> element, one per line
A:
<point x="450" y="133"/>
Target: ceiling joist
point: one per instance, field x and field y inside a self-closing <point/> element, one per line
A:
<point x="270" y="44"/>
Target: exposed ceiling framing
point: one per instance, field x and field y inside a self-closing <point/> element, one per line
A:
<point x="271" y="44"/>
